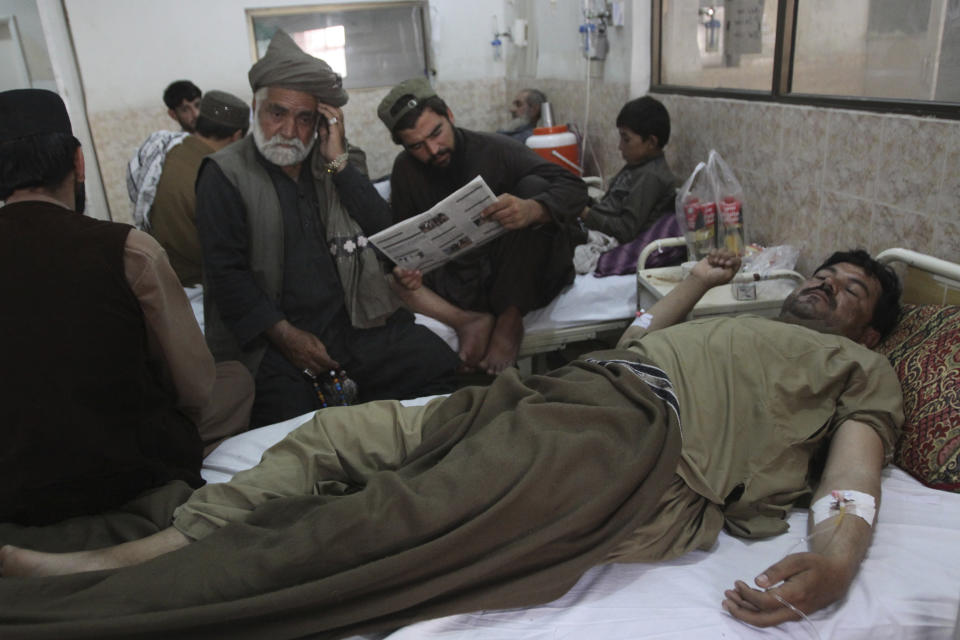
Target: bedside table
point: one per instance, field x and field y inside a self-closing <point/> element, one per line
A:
<point x="653" y="284"/>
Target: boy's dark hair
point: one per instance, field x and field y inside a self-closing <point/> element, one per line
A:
<point x="646" y="116"/>
<point x="887" y="310"/>
<point x="179" y="91"/>
<point x="43" y="160"/>
<point x="210" y="129"/>
<point x="409" y="119"/>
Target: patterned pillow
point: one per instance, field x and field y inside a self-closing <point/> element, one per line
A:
<point x="925" y="352"/>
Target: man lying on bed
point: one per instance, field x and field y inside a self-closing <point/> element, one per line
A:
<point x="375" y="516"/>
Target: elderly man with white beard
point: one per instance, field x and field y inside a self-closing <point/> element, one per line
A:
<point x="292" y="288"/>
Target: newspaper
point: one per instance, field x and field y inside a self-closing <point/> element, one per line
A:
<point x="447" y="230"/>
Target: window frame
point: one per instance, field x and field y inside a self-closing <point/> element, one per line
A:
<point x="782" y="76"/>
<point x="310" y="7"/>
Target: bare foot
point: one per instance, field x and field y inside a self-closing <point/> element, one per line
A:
<point x="474" y="336"/>
<point x="17" y="562"/>
<point x="504" y="342"/>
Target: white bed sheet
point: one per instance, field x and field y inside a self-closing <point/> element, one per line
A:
<point x="588" y="300"/>
<point x="908" y="587"/>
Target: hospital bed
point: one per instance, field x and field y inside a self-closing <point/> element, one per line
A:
<point x="908" y="586"/>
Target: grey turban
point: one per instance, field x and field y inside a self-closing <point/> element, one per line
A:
<point x="287" y="66"/>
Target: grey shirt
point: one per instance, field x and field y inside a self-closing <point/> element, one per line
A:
<point x="638" y="195"/>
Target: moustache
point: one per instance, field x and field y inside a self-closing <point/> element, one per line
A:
<point x="279" y="140"/>
<point x="831" y="299"/>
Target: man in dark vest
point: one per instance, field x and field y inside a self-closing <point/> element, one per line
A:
<point x="291" y="286"/>
<point x="108" y="378"/>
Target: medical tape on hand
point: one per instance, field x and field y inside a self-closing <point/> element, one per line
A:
<point x="643" y="320"/>
<point x="838" y="503"/>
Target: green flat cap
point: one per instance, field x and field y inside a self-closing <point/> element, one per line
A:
<point x="225" y="108"/>
<point x="402" y="98"/>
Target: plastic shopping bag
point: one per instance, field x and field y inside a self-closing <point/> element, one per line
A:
<point x="757" y="268"/>
<point x="728" y="195"/>
<point x="697" y="213"/>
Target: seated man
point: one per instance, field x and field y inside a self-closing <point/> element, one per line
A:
<point x="538" y="201"/>
<point x="291" y="285"/>
<point x="524" y="114"/>
<point x="366" y="518"/>
<point x="110" y="390"/>
<point x="223" y="119"/>
<point x="645" y="187"/>
<point x="182" y="99"/>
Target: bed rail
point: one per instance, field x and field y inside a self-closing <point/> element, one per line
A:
<point x="936" y="266"/>
<point x="929" y="280"/>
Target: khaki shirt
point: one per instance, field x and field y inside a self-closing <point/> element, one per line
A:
<point x="758" y="398"/>
<point x="174" y="339"/>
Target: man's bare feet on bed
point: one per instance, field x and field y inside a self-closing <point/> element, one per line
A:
<point x="474" y="335"/>
<point x="504" y="342"/>
<point x="17" y="562"/>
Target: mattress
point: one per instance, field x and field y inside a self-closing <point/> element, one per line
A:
<point x="589" y="302"/>
<point x="908" y="586"/>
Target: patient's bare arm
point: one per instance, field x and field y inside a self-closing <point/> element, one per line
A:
<point x="813" y="580"/>
<point x="718" y="268"/>
<point x="15" y="561"/>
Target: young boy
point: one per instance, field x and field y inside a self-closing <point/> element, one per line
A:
<point x="644" y="188"/>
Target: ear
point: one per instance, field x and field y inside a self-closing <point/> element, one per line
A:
<point x="869" y="338"/>
<point x="450" y="115"/>
<point x="654" y="141"/>
<point x="79" y="166"/>
<point x="173" y="115"/>
<point x="236" y="135"/>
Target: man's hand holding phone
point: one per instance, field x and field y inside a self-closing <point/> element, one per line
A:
<point x="331" y="139"/>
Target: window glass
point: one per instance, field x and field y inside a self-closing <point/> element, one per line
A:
<point x="713" y="44"/>
<point x="368" y="47"/>
<point x="878" y="49"/>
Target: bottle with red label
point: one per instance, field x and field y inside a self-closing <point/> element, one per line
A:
<point x="731" y="225"/>
<point x="700" y="220"/>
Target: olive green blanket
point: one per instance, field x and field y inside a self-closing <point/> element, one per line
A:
<point x="516" y="490"/>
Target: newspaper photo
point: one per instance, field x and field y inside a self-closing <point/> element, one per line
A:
<point x="449" y="229"/>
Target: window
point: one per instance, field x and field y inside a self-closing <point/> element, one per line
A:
<point x="889" y="55"/>
<point x="717" y="44"/>
<point x="369" y="45"/>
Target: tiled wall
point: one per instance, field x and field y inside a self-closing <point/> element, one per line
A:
<point x="480" y="105"/>
<point x="816" y="178"/>
<point x="116" y="136"/>
<point x="823" y="179"/>
<point x="568" y="101"/>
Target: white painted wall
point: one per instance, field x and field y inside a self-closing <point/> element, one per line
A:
<point x="639" y="14"/>
<point x="462" y="32"/>
<point x="31" y="41"/>
<point x="554" y="50"/>
<point x="129" y="50"/>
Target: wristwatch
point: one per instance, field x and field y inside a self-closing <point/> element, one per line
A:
<point x="334" y="165"/>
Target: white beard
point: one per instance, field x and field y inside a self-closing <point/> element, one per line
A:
<point x="275" y="150"/>
<point x="516" y="124"/>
